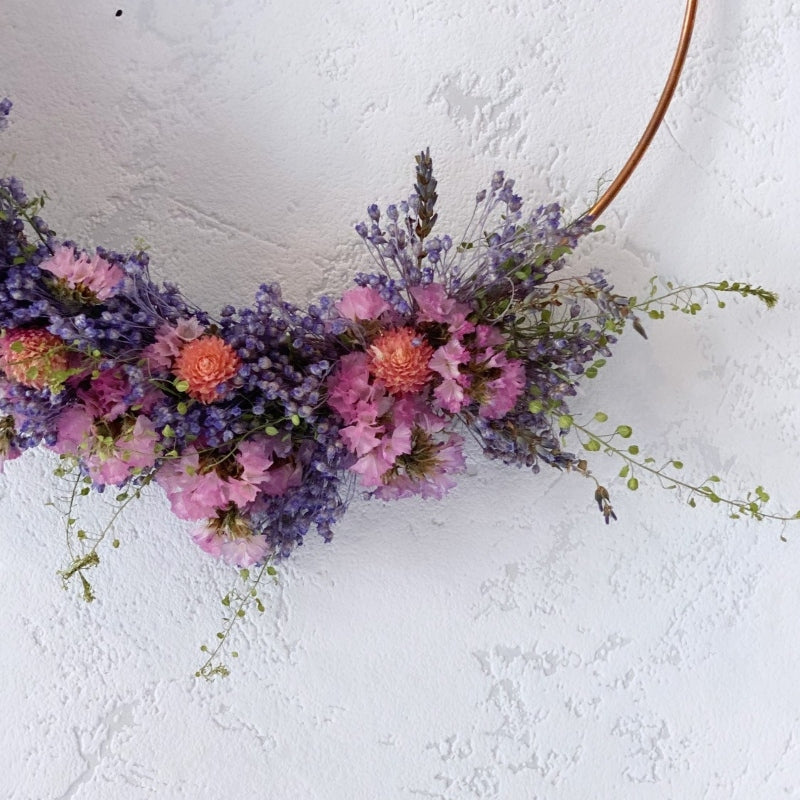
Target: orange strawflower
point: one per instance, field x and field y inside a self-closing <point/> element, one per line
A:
<point x="33" y="357"/>
<point x="400" y="359"/>
<point x="204" y="364"/>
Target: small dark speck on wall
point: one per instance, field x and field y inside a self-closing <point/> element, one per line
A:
<point x="119" y="13"/>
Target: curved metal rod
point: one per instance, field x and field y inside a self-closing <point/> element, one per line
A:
<point x="658" y="115"/>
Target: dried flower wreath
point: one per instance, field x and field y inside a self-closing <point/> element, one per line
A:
<point x="258" y="423"/>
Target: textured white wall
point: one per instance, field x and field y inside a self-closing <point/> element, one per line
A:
<point x="503" y="643"/>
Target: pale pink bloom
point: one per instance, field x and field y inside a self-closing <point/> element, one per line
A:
<point x="372" y="466"/>
<point x="398" y="443"/>
<point x="503" y="392"/>
<point x="448" y="460"/>
<point x="169" y="340"/>
<point x="349" y="386"/>
<point x="208" y="540"/>
<point x="488" y="336"/>
<point x="450" y="396"/>
<point x="258" y="473"/>
<point x="74" y="430"/>
<point x="245" y="551"/>
<point x="133" y="450"/>
<point x="81" y="272"/>
<point x="436" y="306"/>
<point x="362" y="302"/>
<point x="447" y="358"/>
<point x="363" y="436"/>
<point x="104" y="398"/>
<point x="192" y="495"/>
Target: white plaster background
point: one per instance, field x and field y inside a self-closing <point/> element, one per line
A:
<point x="503" y="643"/>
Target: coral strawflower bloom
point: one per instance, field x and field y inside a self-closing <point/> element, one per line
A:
<point x="400" y="359"/>
<point x="33" y="357"/>
<point x="204" y="364"/>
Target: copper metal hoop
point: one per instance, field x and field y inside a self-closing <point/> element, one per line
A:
<point x="658" y="115"/>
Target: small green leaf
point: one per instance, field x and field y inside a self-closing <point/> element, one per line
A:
<point x="634" y="450"/>
<point x="592" y="445"/>
<point x="295" y="420"/>
<point x="601" y="416"/>
<point x="633" y="484"/>
<point x="625" y="431"/>
<point x="623" y="473"/>
<point x="271" y="430"/>
<point x="677" y="464"/>
<point x="181" y="386"/>
<point x="182" y="407"/>
<point x="565" y="422"/>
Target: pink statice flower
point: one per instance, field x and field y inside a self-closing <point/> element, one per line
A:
<point x="169" y="341"/>
<point x="502" y="393"/>
<point x="245" y="551"/>
<point x="109" y="460"/>
<point x="429" y="467"/>
<point x="350" y="385"/>
<point x="79" y="271"/>
<point x="198" y="490"/>
<point x="74" y="432"/>
<point x="193" y="494"/>
<point x="362" y="303"/>
<point x="133" y="451"/>
<point x="208" y="540"/>
<point x="446" y="361"/>
<point x="435" y="305"/>
<point x="488" y="336"/>
<point x="105" y="396"/>
<point x="229" y="535"/>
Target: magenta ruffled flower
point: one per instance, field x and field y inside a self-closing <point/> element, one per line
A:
<point x="80" y="272"/>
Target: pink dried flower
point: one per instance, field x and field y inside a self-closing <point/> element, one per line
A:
<point x="362" y="302"/>
<point x="95" y="274"/>
<point x="435" y="305"/>
<point x="503" y="392"/>
<point x="169" y="341"/>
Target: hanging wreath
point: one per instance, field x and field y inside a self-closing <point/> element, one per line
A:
<point x="260" y="423"/>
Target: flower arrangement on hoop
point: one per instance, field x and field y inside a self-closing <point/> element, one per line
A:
<point x="260" y="423"/>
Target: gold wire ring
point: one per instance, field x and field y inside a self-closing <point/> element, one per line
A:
<point x="658" y="115"/>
